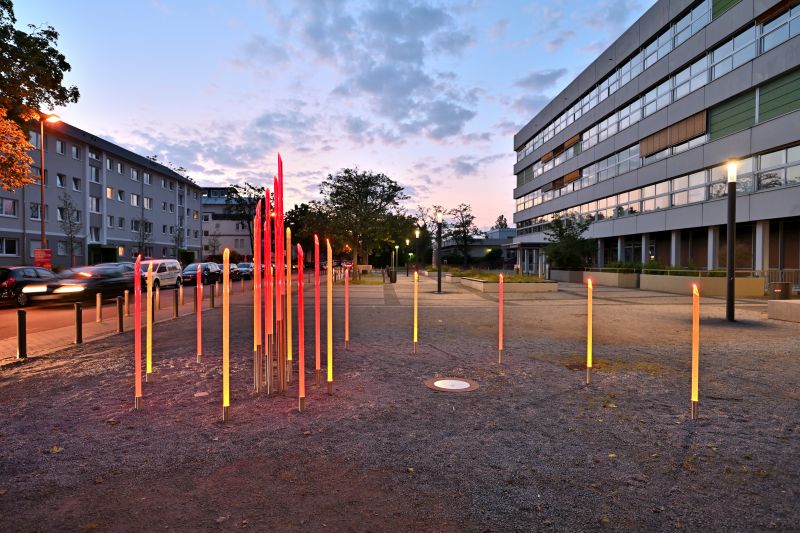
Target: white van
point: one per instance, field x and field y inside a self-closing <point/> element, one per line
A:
<point x="166" y="272"/>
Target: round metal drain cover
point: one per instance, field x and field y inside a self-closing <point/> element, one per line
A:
<point x="451" y="384"/>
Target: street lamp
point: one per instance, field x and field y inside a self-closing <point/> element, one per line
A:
<point x="730" y="242"/>
<point x="439" y="216"/>
<point x="416" y="243"/>
<point x="42" y="119"/>
<point x="396" y="250"/>
<point x="405" y="258"/>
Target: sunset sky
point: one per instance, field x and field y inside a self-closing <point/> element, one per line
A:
<point x="429" y="93"/>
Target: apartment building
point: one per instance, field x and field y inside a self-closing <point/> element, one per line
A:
<point x="124" y="203"/>
<point x="222" y="228"/>
<point x="638" y="143"/>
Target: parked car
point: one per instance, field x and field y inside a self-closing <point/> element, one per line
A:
<point x="84" y="282"/>
<point x="13" y="281"/>
<point x="236" y="274"/>
<point x="210" y="273"/>
<point x="247" y="270"/>
<point x="166" y="272"/>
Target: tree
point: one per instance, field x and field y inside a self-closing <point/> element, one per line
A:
<point x="305" y="220"/>
<point x="568" y="248"/>
<point x="213" y="243"/>
<point x="362" y="204"/>
<point x="241" y="203"/>
<point x="144" y="234"/>
<point x="69" y="222"/>
<point x="179" y="238"/>
<point x="500" y="223"/>
<point x="462" y="228"/>
<point x="427" y="218"/>
<point x="15" y="170"/>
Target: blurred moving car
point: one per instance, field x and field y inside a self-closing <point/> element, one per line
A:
<point x="84" y="282"/>
<point x="210" y="273"/>
<point x="236" y="274"/>
<point x="247" y="270"/>
<point x="13" y="281"/>
<point x="165" y="272"/>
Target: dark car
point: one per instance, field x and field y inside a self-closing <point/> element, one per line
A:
<point x="13" y="281"/>
<point x="247" y="270"/>
<point x="84" y="282"/>
<point x="210" y="273"/>
<point x="236" y="274"/>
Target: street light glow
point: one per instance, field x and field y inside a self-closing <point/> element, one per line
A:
<point x="439" y="216"/>
<point x="53" y="119"/>
<point x="732" y="168"/>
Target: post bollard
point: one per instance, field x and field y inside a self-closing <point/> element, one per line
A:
<point x="158" y="298"/>
<point x="180" y="293"/>
<point x="120" y="325"/>
<point x="78" y="323"/>
<point x="98" y="307"/>
<point x="216" y="287"/>
<point x="22" y="334"/>
<point x="213" y="292"/>
<point x="127" y="303"/>
<point x="174" y="304"/>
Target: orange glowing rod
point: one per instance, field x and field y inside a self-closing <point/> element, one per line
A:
<point x="330" y="316"/>
<point x="257" y="300"/>
<point x="301" y="340"/>
<point x="500" y="320"/>
<point x="137" y="332"/>
<point x="226" y="355"/>
<point x="199" y="298"/>
<point x="149" y="320"/>
<point x="416" y="301"/>
<point x="267" y="274"/>
<point x="589" y="336"/>
<point x="347" y="308"/>
<point x="695" y="349"/>
<point x="289" y="304"/>
<point x="317" y="370"/>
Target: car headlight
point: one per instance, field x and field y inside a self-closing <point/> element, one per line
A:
<point x="67" y="289"/>
<point x="33" y="289"/>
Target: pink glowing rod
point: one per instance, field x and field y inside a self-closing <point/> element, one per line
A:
<point x="347" y="308"/>
<point x="199" y="298"/>
<point x="301" y="344"/>
<point x="137" y="332"/>
<point x="267" y="275"/>
<point x="317" y="371"/>
<point x="500" y="321"/>
<point x="257" y="300"/>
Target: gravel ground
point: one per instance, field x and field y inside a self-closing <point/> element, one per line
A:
<point x="532" y="449"/>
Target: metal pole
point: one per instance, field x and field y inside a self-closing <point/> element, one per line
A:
<point x="439" y="257"/>
<point x="22" y="334"/>
<point x="213" y="292"/>
<point x="78" y="323"/>
<point x="127" y="304"/>
<point x="174" y="304"/>
<point x="120" y="326"/>
<point x="730" y="244"/>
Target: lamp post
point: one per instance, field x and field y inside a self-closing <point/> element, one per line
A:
<point x="416" y="243"/>
<point x="396" y="252"/>
<point x="439" y="216"/>
<point x="42" y="119"/>
<point x="730" y="243"/>
<point x="405" y="255"/>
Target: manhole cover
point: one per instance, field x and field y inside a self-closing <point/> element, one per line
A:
<point x="451" y="384"/>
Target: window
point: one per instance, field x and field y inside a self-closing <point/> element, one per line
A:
<point x="206" y="217"/>
<point x="135" y="225"/>
<point x="691" y="78"/>
<point x="780" y="29"/>
<point x="94" y="174"/>
<point x="94" y="155"/>
<point x="120" y="195"/>
<point x="76" y="152"/>
<point x="164" y="229"/>
<point x="733" y="53"/>
<point x="36" y="211"/>
<point x="148" y="203"/>
<point x="109" y="164"/>
<point x="657" y="98"/>
<point x="196" y="233"/>
<point x="94" y="204"/>
<point x="121" y="222"/>
<point x="120" y="168"/>
<point x="61" y="214"/>
<point x="195" y="215"/>
<point x="76" y="184"/>
<point x="61" y="179"/>
<point x="134" y="174"/>
<point x="171" y="230"/>
<point x="146" y="178"/>
<point x="94" y="234"/>
<point x="60" y="147"/>
<point x="33" y="138"/>
<point x="171" y="208"/>
<point x="163" y="183"/>
<point x="61" y="248"/>
<point x="172" y="185"/>
<point x="180" y="199"/>
<point x="8" y="246"/>
<point x="110" y="221"/>
<point x="163" y="206"/>
<point x="134" y="199"/>
<point x="110" y="193"/>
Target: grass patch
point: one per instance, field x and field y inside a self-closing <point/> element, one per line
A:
<point x="507" y="278"/>
<point x="607" y="365"/>
<point x="365" y="280"/>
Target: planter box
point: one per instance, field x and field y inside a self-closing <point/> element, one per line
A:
<point x="567" y="276"/>
<point x="788" y="310"/>
<point x="613" y="279"/>
<point x="508" y="287"/>
<point x="745" y="287"/>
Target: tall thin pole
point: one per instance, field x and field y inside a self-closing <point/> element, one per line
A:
<point x="41" y="182"/>
<point x="438" y="257"/>
<point x="317" y="370"/>
<point x="301" y="340"/>
<point x="330" y="316"/>
<point x="730" y="244"/>
<point x="695" y="349"/>
<point x="226" y="325"/>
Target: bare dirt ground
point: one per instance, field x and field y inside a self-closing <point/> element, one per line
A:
<point x="532" y="449"/>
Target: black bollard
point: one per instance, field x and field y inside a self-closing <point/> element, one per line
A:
<point x="120" y="314"/>
<point x="78" y="323"/>
<point x="213" y="291"/>
<point x="175" y="303"/>
<point x="22" y="334"/>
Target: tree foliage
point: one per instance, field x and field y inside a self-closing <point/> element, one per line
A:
<point x="70" y="223"/>
<point x="307" y="219"/>
<point x="144" y="235"/>
<point x="15" y="170"/>
<point x="500" y="223"/>
<point x="568" y="248"/>
<point x="241" y="202"/>
<point x="462" y="229"/>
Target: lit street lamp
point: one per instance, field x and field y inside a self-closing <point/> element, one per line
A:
<point x="405" y="258"/>
<point x="42" y="119"/>
<point x="439" y="216"/>
<point x="730" y="242"/>
<point x="416" y="242"/>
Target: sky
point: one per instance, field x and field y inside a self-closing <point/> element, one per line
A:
<point x="428" y="93"/>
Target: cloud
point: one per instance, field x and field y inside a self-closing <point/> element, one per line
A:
<point x="556" y="43"/>
<point x="470" y="165"/>
<point x="453" y="42"/>
<point x="540" y="80"/>
<point x="530" y="105"/>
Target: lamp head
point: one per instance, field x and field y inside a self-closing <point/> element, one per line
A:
<point x="732" y="168"/>
<point x="439" y="216"/>
<point x="53" y="119"/>
<point x="407" y="242"/>
<point x="416" y="233"/>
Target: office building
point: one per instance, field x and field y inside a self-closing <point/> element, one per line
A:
<point x="222" y="227"/>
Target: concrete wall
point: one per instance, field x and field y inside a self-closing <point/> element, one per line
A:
<point x="745" y="287"/>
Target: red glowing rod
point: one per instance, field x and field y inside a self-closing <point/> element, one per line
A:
<point x="301" y="345"/>
<point x="500" y="321"/>
<point x="278" y="250"/>
<point x="317" y="370"/>
<point x="256" y="282"/>
<point x="347" y="308"/>
<point x="137" y="331"/>
<point x="199" y="298"/>
<point x="268" y="263"/>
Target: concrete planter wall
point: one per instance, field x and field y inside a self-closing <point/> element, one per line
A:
<point x="567" y="276"/>
<point x="492" y="286"/>
<point x="613" y="279"/>
<point x="745" y="287"/>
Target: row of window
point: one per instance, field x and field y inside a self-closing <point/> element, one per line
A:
<point x="780" y="168"/>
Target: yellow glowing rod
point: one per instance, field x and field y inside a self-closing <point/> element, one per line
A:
<point x="289" y="299"/>
<point x="695" y="348"/>
<point x="226" y="325"/>
<point x="416" y="300"/>
<point x="589" y="335"/>
<point x="149" y="320"/>
<point x="330" y="316"/>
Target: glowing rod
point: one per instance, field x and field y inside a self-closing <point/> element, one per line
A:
<point x="257" y="300"/>
<point x="301" y="341"/>
<point x="589" y="336"/>
<point x="149" y="320"/>
<point x="416" y="313"/>
<point x="199" y="298"/>
<point x="226" y="308"/>
<point x="289" y="304"/>
<point x="317" y="370"/>
<point x="695" y="348"/>
<point x="137" y="332"/>
<point x="500" y="320"/>
<point x="330" y="316"/>
<point x="346" y="308"/>
<point x="268" y="288"/>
